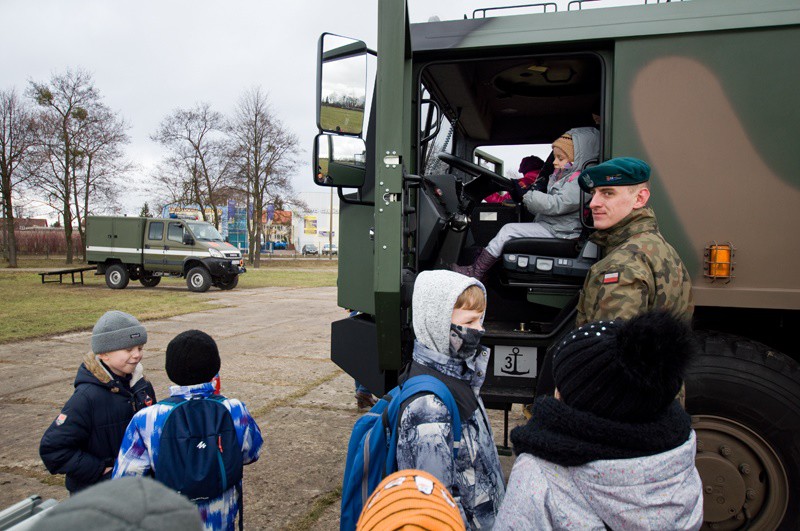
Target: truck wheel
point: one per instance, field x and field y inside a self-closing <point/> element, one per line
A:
<point x="228" y="284"/>
<point x="117" y="276"/>
<point x="198" y="279"/>
<point x="744" y="399"/>
<point x="150" y="281"/>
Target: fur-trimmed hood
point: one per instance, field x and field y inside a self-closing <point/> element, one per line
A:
<point x="94" y="372"/>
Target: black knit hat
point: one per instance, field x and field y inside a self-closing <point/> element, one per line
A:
<point x="192" y="358"/>
<point x="628" y="371"/>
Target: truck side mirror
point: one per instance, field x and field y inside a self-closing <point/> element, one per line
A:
<point x="341" y="84"/>
<point x="339" y="161"/>
<point x="187" y="239"/>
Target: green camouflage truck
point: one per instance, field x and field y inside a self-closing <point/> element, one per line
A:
<point x="146" y="249"/>
<point x="704" y="90"/>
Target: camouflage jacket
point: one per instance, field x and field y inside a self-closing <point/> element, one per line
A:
<point x="640" y="271"/>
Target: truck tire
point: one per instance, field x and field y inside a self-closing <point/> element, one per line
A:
<point x="117" y="276"/>
<point x="229" y="283"/>
<point x="744" y="398"/>
<point x="149" y="281"/>
<point x="198" y="279"/>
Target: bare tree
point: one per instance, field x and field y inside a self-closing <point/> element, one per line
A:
<point x="98" y="162"/>
<point x="198" y="151"/>
<point x="67" y="102"/>
<point x="16" y="140"/>
<point x="264" y="152"/>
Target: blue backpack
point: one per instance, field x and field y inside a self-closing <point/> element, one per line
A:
<point x="372" y="451"/>
<point x="199" y="453"/>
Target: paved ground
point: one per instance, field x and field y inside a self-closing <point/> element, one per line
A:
<point x="274" y="344"/>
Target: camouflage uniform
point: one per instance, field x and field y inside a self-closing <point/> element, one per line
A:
<point x="640" y="271"/>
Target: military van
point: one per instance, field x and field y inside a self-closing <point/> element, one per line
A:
<point x="704" y="91"/>
<point x="146" y="249"/>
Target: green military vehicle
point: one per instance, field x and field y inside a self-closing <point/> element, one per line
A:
<point x="705" y="91"/>
<point x="146" y="249"/>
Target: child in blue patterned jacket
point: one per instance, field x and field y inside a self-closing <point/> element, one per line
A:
<point x="448" y="310"/>
<point x="192" y="361"/>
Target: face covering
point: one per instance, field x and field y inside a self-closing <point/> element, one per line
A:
<point x="464" y="342"/>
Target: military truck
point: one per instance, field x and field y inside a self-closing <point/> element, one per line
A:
<point x="704" y="90"/>
<point x="147" y="249"/>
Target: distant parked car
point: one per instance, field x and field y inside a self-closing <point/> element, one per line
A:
<point x="309" y="248"/>
<point x="278" y="246"/>
<point x="329" y="249"/>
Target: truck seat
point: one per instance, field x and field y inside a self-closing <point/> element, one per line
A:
<point x="531" y="262"/>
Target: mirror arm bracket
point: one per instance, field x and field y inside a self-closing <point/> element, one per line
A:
<point x="358" y="201"/>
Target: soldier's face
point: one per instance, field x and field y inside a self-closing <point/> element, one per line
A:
<point x="610" y="204"/>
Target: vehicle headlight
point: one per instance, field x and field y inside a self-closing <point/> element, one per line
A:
<point x="216" y="253"/>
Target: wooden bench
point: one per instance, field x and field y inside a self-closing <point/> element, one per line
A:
<point x="62" y="272"/>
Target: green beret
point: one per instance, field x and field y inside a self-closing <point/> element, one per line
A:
<point x="621" y="171"/>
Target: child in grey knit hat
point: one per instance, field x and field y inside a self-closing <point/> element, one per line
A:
<point x="84" y="439"/>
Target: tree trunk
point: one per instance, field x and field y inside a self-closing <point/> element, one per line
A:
<point x="11" y="237"/>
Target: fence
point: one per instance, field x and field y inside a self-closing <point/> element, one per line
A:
<point x="44" y="242"/>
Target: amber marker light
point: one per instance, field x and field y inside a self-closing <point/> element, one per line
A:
<point x="718" y="261"/>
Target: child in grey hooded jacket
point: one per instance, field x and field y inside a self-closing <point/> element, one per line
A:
<point x="448" y="310"/>
<point x="613" y="449"/>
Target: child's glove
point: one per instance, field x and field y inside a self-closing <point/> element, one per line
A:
<point x="517" y="191"/>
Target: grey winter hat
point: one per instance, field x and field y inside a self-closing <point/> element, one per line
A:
<point x="117" y="330"/>
<point x="124" y="504"/>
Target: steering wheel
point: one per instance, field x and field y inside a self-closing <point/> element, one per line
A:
<point x="475" y="170"/>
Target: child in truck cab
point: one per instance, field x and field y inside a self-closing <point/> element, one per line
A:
<point x="529" y="167"/>
<point x="557" y="210"/>
<point x="448" y="311"/>
<point x="83" y="441"/>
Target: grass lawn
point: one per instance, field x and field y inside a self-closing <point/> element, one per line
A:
<point x="32" y="309"/>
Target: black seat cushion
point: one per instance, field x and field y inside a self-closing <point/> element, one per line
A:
<point x="556" y="247"/>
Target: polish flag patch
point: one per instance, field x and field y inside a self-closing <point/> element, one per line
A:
<point x="60" y="419"/>
<point x="611" y="278"/>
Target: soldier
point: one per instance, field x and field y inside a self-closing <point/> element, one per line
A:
<point x="639" y="271"/>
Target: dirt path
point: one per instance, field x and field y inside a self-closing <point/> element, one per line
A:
<point x="274" y="344"/>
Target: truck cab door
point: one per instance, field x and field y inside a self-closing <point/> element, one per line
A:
<point x="153" y="258"/>
<point x="174" y="249"/>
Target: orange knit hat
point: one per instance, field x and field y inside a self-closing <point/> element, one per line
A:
<point x="565" y="143"/>
<point x="410" y="500"/>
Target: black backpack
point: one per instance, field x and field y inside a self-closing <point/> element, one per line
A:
<point x="199" y="453"/>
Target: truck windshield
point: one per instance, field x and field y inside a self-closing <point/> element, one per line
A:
<point x="204" y="232"/>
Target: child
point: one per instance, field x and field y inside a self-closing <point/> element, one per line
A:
<point x="192" y="362"/>
<point x="110" y="387"/>
<point x="410" y="499"/>
<point x="613" y="449"/>
<point x="529" y="167"/>
<point x="557" y="211"/>
<point x="448" y="311"/>
<point x="132" y="504"/>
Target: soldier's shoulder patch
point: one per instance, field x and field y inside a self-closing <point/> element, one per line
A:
<point x="61" y="419"/>
<point x="612" y="277"/>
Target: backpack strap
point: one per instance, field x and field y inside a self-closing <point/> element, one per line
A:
<point x="461" y="390"/>
<point x="423" y="384"/>
<point x="173" y="401"/>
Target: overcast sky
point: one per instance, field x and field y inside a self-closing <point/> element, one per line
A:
<point x="150" y="57"/>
